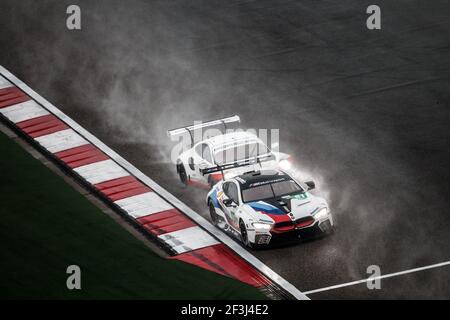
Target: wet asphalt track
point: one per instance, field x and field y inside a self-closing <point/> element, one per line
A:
<point x="365" y="113"/>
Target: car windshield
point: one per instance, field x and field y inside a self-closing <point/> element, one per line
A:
<point x="240" y="152"/>
<point x="271" y="190"/>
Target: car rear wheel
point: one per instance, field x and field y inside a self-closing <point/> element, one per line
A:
<point x="244" y="234"/>
<point x="182" y="173"/>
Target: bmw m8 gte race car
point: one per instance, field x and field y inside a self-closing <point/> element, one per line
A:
<point x="234" y="152"/>
<point x="262" y="206"/>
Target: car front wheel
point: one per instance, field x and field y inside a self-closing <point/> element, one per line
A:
<point x="244" y="234"/>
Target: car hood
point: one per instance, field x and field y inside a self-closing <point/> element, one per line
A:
<point x="286" y="208"/>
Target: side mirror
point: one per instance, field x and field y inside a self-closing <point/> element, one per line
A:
<point x="191" y="163"/>
<point x="228" y="202"/>
<point x="310" y="184"/>
<point x="202" y="165"/>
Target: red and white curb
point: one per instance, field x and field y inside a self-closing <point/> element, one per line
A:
<point x="190" y="237"/>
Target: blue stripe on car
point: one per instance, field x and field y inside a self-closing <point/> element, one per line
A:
<point x="263" y="206"/>
<point x="214" y="199"/>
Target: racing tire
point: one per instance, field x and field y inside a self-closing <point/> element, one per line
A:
<point x="182" y="174"/>
<point x="244" y="235"/>
<point x="213" y="214"/>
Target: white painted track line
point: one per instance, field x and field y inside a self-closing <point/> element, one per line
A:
<point x="61" y="140"/>
<point x="101" y="171"/>
<point x="188" y="239"/>
<point x="143" y="204"/>
<point x="389" y="275"/>
<point x="205" y="224"/>
<point x="23" y="111"/>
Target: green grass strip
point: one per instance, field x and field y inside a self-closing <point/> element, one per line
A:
<point x="46" y="225"/>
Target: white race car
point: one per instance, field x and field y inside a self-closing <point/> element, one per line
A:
<point x="265" y="206"/>
<point x="224" y="155"/>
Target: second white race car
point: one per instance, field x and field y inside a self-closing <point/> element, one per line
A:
<point x="225" y="155"/>
<point x="263" y="206"/>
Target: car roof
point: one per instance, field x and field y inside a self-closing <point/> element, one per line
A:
<point x="231" y="138"/>
<point x="256" y="178"/>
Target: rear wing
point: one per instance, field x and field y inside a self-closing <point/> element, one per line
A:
<point x="238" y="164"/>
<point x="189" y="129"/>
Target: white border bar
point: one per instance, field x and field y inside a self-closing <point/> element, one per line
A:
<point x="205" y="224"/>
<point x="5" y="83"/>
<point x="389" y="275"/>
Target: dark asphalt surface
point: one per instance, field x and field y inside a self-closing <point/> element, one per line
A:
<point x="365" y="113"/>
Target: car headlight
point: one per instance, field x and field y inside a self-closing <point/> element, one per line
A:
<point x="259" y="226"/>
<point x="321" y="214"/>
<point x="285" y="164"/>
